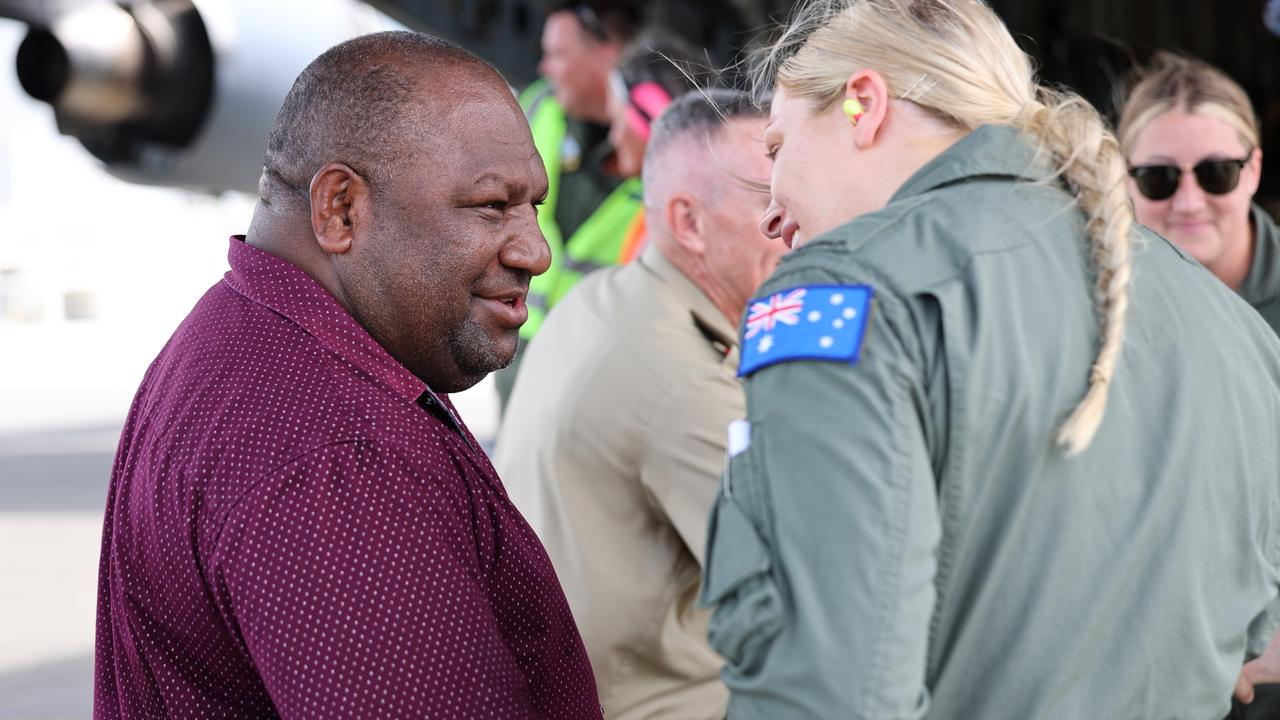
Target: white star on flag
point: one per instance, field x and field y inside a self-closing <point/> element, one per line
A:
<point x="805" y="322"/>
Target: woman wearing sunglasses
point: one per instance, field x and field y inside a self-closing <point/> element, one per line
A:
<point x="1191" y="139"/>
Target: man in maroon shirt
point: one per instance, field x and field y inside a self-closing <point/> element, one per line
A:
<point x="299" y="525"/>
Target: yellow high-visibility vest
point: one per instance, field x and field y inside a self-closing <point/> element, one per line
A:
<point x="607" y="237"/>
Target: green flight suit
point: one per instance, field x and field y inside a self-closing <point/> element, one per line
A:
<point x="902" y="539"/>
<point x="1261" y="287"/>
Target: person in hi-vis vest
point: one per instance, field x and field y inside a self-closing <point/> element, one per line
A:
<point x="567" y="109"/>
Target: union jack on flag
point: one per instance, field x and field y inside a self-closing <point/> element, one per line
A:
<point x="778" y="308"/>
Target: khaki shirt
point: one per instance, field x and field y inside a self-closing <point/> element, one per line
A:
<point x="612" y="447"/>
<point x="902" y="539"/>
<point x="1261" y="287"/>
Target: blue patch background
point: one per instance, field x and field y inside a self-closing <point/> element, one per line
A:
<point x="841" y="313"/>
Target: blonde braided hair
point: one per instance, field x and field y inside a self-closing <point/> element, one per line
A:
<point x="976" y="75"/>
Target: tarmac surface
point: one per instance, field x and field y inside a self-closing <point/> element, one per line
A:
<point x="53" y="487"/>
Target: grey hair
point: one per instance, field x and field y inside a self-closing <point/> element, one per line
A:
<point x="698" y="115"/>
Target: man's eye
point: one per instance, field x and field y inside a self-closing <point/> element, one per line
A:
<point x="493" y="208"/>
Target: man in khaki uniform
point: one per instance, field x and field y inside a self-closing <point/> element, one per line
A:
<point x="613" y="441"/>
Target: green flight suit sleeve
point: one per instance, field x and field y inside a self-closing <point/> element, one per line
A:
<point x="821" y="550"/>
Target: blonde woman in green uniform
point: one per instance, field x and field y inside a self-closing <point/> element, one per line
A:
<point x="1007" y="454"/>
<point x="1191" y="138"/>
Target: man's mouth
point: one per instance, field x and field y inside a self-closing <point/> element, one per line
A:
<point x="509" y="306"/>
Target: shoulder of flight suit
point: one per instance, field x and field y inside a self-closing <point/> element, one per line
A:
<point x="837" y="468"/>
<point x="930" y="238"/>
<point x="1261" y="287"/>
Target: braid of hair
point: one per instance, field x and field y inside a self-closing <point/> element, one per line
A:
<point x="1073" y="132"/>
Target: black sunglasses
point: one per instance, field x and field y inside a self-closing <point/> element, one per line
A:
<point x="1160" y="182"/>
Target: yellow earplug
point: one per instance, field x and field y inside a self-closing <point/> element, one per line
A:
<point x="853" y="109"/>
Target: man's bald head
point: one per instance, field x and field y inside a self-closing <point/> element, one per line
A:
<point x="360" y="103"/>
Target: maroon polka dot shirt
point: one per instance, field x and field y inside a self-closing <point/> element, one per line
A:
<point x="298" y="527"/>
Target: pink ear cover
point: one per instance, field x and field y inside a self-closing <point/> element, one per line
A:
<point x="648" y="100"/>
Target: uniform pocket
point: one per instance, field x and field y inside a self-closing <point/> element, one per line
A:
<point x="736" y="578"/>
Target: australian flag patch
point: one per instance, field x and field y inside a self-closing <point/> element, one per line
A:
<point x="807" y="322"/>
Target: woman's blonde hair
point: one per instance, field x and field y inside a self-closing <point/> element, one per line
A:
<point x="957" y="60"/>
<point x="1172" y="82"/>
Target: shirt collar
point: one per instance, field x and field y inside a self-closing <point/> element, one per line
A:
<point x="705" y="315"/>
<point x="1263" y="279"/>
<point x="987" y="151"/>
<point x="285" y="289"/>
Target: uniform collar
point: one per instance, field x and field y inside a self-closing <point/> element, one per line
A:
<point x="704" y="314"/>
<point x="987" y="151"/>
<point x="282" y="287"/>
<point x="1262" y="283"/>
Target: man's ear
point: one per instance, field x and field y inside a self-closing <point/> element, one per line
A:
<point x="685" y="220"/>
<point x="339" y="205"/>
<point x="868" y="88"/>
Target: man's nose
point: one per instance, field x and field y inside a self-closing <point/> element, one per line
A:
<point x="771" y="221"/>
<point x="527" y="249"/>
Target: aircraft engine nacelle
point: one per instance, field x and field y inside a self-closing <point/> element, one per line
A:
<point x="180" y="92"/>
